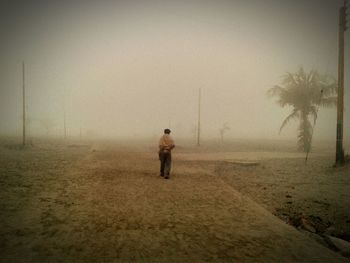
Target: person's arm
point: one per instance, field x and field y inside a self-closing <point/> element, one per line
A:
<point x="161" y="144"/>
<point x="172" y="144"/>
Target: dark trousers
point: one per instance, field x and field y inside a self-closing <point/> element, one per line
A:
<point x="165" y="163"/>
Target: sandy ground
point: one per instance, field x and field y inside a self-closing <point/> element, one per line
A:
<point x="316" y="190"/>
<point x="107" y="203"/>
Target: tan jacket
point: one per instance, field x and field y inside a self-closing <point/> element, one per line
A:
<point x="166" y="143"/>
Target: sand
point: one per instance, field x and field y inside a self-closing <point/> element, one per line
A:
<point x="105" y="202"/>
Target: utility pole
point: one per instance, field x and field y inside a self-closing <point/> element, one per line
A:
<point x="340" y="159"/>
<point x="199" y="118"/>
<point x="24" y="104"/>
<point x="64" y="115"/>
<point x="64" y="125"/>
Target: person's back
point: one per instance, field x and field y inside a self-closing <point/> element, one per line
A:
<point x="166" y="144"/>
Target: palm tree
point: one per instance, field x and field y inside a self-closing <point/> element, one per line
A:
<point x="304" y="92"/>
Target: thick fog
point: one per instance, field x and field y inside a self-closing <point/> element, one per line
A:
<point x="133" y="68"/>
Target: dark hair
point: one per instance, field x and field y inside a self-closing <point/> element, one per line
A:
<point x="167" y="131"/>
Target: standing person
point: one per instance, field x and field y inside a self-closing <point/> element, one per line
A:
<point x="166" y="144"/>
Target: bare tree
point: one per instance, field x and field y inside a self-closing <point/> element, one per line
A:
<point x="225" y="127"/>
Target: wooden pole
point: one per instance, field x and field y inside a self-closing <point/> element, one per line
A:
<point x="24" y="105"/>
<point x="64" y="125"/>
<point x="64" y="115"/>
<point x="199" y="118"/>
<point x="339" y="159"/>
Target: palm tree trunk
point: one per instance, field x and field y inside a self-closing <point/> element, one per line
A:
<point x="304" y="137"/>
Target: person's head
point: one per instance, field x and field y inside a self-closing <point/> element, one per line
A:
<point x="167" y="131"/>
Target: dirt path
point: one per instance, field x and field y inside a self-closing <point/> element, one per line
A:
<point x="113" y="207"/>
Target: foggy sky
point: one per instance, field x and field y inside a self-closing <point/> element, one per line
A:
<point x="133" y="68"/>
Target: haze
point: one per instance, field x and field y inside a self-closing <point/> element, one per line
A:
<point x="133" y="68"/>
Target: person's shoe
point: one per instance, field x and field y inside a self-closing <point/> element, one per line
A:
<point x="166" y="177"/>
<point x="162" y="175"/>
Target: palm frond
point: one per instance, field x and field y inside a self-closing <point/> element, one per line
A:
<point x="329" y="88"/>
<point x="289" y="79"/>
<point x="282" y="94"/>
<point x="301" y="76"/>
<point x="291" y="116"/>
<point x="313" y="112"/>
<point x="328" y="102"/>
<point x="275" y="91"/>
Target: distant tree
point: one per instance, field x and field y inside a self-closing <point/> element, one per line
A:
<point x="222" y="130"/>
<point x="304" y="92"/>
